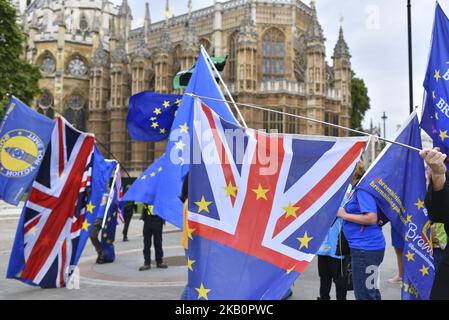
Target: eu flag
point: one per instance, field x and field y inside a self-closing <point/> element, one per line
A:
<point x="151" y="115"/>
<point x="101" y="174"/>
<point x="435" y="118"/>
<point x="24" y="136"/>
<point x="398" y="183"/>
<point x="175" y="163"/>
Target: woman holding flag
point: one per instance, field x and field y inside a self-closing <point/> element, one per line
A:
<point x="438" y="203"/>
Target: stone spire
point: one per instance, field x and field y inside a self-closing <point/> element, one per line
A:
<point x="147" y="20"/>
<point x="315" y="31"/>
<point x="119" y="55"/>
<point x="100" y="57"/>
<point x="341" y="48"/>
<point x="190" y="39"/>
<point x="125" y="9"/>
<point x="248" y="31"/>
<point x="142" y="49"/>
<point x="164" y="41"/>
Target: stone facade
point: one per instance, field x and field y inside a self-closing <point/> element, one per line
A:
<point x="92" y="61"/>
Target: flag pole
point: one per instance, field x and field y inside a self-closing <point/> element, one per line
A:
<point x="410" y="53"/>
<point x="224" y="85"/>
<point x="108" y="204"/>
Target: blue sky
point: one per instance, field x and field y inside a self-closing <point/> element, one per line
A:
<point x="376" y="31"/>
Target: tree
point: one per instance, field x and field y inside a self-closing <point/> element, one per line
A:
<point x="17" y="76"/>
<point x="360" y="102"/>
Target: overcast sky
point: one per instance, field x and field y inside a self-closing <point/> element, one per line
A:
<point x="376" y="31"/>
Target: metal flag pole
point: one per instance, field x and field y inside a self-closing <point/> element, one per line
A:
<point x="111" y="195"/>
<point x="410" y="53"/>
<point x="308" y="119"/>
<point x="225" y="86"/>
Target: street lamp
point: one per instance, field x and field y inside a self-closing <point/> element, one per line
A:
<point x="384" y="118"/>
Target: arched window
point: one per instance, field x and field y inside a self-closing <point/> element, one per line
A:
<point x="45" y="105"/>
<point x="273" y="50"/>
<point x="232" y="58"/>
<point x="75" y="113"/>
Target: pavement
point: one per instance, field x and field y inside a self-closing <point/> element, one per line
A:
<point x="121" y="280"/>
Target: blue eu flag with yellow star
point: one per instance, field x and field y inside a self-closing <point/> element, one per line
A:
<point x="24" y="136"/>
<point x="435" y="118"/>
<point x="398" y="183"/>
<point x="101" y="174"/>
<point x="175" y="163"/>
<point x="151" y="115"/>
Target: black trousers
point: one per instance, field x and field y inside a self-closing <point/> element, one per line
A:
<point x="329" y="270"/>
<point x="94" y="237"/>
<point x="127" y="216"/>
<point x="440" y="290"/>
<point x="152" y="230"/>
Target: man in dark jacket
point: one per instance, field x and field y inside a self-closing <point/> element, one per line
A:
<point x="128" y="212"/>
<point x="438" y="205"/>
<point x="152" y="229"/>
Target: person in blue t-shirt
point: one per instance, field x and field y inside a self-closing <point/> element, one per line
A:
<point x="366" y="242"/>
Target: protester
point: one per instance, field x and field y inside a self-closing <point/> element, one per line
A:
<point x="128" y="211"/>
<point x="398" y="245"/>
<point x="96" y="231"/>
<point x="366" y="243"/>
<point x="437" y="203"/>
<point x="152" y="229"/>
<point x="331" y="265"/>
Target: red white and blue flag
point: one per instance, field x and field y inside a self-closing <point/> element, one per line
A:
<point x="52" y="219"/>
<point x="260" y="206"/>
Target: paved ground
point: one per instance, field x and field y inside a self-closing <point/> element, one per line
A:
<point x="122" y="281"/>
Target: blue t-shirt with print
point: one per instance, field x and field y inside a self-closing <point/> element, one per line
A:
<point x="362" y="237"/>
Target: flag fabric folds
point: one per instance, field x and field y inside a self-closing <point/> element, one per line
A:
<point x="24" y="136"/>
<point x="175" y="162"/>
<point x="435" y="118"/>
<point x="112" y="217"/>
<point x="398" y="183"/>
<point x="151" y="115"/>
<point x="102" y="171"/>
<point x="52" y="220"/>
<point x="260" y="206"/>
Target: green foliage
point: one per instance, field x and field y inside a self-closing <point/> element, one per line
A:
<point x="360" y="102"/>
<point x="17" y="76"/>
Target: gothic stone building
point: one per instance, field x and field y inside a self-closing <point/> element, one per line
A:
<point x="92" y="61"/>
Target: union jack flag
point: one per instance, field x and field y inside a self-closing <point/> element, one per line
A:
<point x="52" y="219"/>
<point x="259" y="213"/>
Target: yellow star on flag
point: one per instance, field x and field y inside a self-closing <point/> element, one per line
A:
<point x="178" y="102"/>
<point x="261" y="193"/>
<point x="143" y="178"/>
<point x="190" y="232"/>
<point x="202" y="292"/>
<point x="154" y="125"/>
<point x="90" y="207"/>
<point x="290" y="210"/>
<point x="231" y="191"/>
<point x="410" y="256"/>
<point x="420" y="204"/>
<point x="153" y="118"/>
<point x="86" y="225"/>
<point x="437" y="75"/>
<point x="203" y="205"/>
<point x="434" y="95"/>
<point x="304" y="241"/>
<point x="157" y="111"/>
<point x="190" y="264"/>
<point x="443" y="135"/>
<point x="180" y="145"/>
<point x="409" y="218"/>
<point x="166" y="104"/>
<point x="424" y="270"/>
<point x="184" y="128"/>
<point x="291" y="269"/>
<point x="436" y="116"/>
<point x="162" y="131"/>
<point x="160" y="169"/>
<point x="153" y="174"/>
